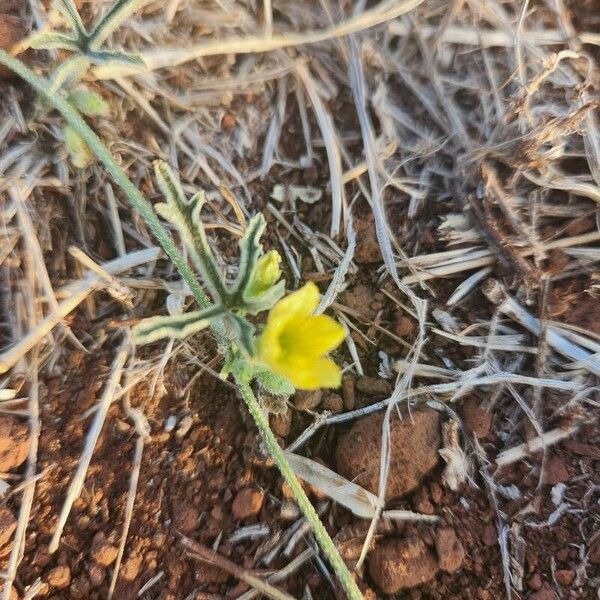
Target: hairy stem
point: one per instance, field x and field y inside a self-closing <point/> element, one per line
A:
<point x="321" y="535"/>
<point x="138" y="202"/>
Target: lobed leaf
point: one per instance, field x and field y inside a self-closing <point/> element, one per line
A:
<point x="68" y="10"/>
<point x="102" y="57"/>
<point x="175" y="326"/>
<point x="250" y="251"/>
<point x="185" y="215"/>
<point x="50" y="40"/>
<point x="117" y="14"/>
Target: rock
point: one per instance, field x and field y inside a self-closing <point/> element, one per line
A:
<point x="545" y="593"/>
<point x="476" y="421"/>
<point x="228" y="122"/>
<point x="373" y="386"/>
<point x="130" y="569"/>
<point x="565" y="577"/>
<point x="367" y="247"/>
<point x="12" y="30"/>
<point x="103" y="552"/>
<point x="307" y="400"/>
<point x="595" y="554"/>
<point x="185" y="516"/>
<point x="14" y="439"/>
<point x="281" y="423"/>
<point x="436" y="492"/>
<point x="334" y="403"/>
<point x="247" y="503"/>
<point x="422" y="503"/>
<point x="449" y="548"/>
<point x="489" y="537"/>
<point x="8" y="524"/>
<point x="59" y="577"/>
<point x="348" y="391"/>
<point x="556" y="471"/>
<point x="402" y="326"/>
<point x="80" y="588"/>
<point x="399" y="564"/>
<point x="96" y="574"/>
<point x="535" y="582"/>
<point x="414" y="444"/>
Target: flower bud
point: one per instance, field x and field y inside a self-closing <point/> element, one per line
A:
<point x="266" y="274"/>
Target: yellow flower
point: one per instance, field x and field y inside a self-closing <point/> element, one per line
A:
<point x="266" y="273"/>
<point x="294" y="342"/>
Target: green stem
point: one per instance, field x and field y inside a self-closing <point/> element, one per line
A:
<point x="136" y="199"/>
<point x="325" y="542"/>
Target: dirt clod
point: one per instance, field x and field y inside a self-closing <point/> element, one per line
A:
<point x="489" y="536"/>
<point x="334" y="403"/>
<point x="281" y="423"/>
<point x="449" y="549"/>
<point x="565" y="577"/>
<point x="103" y="552"/>
<point x="12" y="30"/>
<point x="373" y="386"/>
<point x="360" y="299"/>
<point x="307" y="400"/>
<point x="399" y="564"/>
<point x="247" y="503"/>
<point x="367" y="246"/>
<point x="476" y="420"/>
<point x="348" y="392"/>
<point x="14" y="443"/>
<point x="8" y="524"/>
<point x="535" y="582"/>
<point x="228" y="122"/>
<point x="185" y="516"/>
<point x="556" y="471"/>
<point x="59" y="577"/>
<point x="414" y="444"/>
<point x="402" y="326"/>
<point x="545" y="593"/>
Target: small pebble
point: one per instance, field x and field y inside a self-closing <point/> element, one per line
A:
<point x="184" y="426"/>
<point x="247" y="503"/>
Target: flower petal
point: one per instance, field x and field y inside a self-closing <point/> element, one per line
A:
<point x="322" y="373"/>
<point x="311" y="336"/>
<point x="299" y="303"/>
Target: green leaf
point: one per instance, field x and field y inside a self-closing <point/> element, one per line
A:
<point x="175" y="326"/>
<point x="244" y="334"/>
<point x="88" y="102"/>
<point x="118" y="13"/>
<point x="78" y="150"/>
<point x="185" y="215"/>
<point x="274" y="384"/>
<point x="68" y="72"/>
<point x="68" y="10"/>
<point x="101" y="57"/>
<point x="50" y="40"/>
<point x="266" y="300"/>
<point x="250" y="251"/>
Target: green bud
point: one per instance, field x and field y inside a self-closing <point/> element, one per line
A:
<point x="88" y="102"/>
<point x="78" y="150"/>
<point x="266" y="274"/>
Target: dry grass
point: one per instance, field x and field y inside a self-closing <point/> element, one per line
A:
<point x="469" y="110"/>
